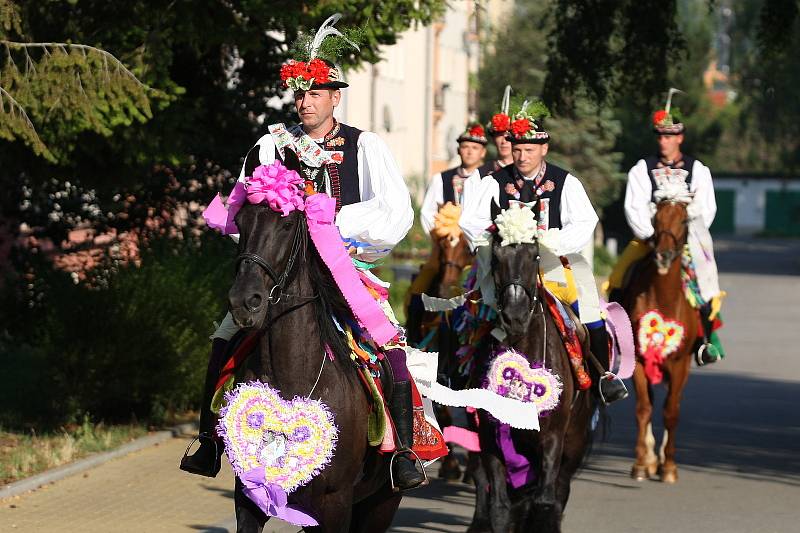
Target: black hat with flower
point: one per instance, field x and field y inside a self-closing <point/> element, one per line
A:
<point x="501" y="122"/>
<point x="667" y="121"/>
<point x="526" y="123"/>
<point x="474" y="133"/>
<point x="312" y="64"/>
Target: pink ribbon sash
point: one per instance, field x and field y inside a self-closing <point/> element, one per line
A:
<point x="320" y="212"/>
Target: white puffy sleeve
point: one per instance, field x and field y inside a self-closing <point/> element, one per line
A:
<point x="264" y="149"/>
<point x="704" y="203"/>
<point x="578" y="218"/>
<point x="434" y="197"/>
<point x="384" y="215"/>
<point x="476" y="208"/>
<point x="637" y="201"/>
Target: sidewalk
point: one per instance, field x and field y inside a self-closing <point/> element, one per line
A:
<point x="141" y="492"/>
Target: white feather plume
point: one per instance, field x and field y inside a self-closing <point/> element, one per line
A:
<point x="326" y="30"/>
<point x="506" y="100"/>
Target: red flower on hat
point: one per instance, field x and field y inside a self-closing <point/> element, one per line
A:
<point x="659" y="116"/>
<point x="520" y="127"/>
<point x="316" y="69"/>
<point x="319" y="70"/>
<point x="501" y="122"/>
<point x="476" y="131"/>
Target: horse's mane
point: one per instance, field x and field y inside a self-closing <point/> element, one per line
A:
<point x="330" y="303"/>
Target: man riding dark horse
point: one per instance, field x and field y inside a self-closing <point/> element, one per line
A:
<point x="373" y="214"/>
<point x="565" y="222"/>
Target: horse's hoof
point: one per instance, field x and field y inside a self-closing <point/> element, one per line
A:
<point x="669" y="475"/>
<point x="642" y="472"/>
<point x="639" y="472"/>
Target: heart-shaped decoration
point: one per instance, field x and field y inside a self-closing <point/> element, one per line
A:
<point x="292" y="440"/>
<point x="511" y="375"/>
<point x="659" y="333"/>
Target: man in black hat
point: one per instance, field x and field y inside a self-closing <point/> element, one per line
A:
<point x="447" y="186"/>
<point x="374" y="213"/>
<point x="566" y="218"/>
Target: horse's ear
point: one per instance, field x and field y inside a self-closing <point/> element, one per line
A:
<point x="495" y="209"/>
<point x="290" y="160"/>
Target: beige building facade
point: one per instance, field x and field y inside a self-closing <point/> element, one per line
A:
<point x="420" y="97"/>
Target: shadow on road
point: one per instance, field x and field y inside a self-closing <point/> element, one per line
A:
<point x="741" y="426"/>
<point x="747" y="255"/>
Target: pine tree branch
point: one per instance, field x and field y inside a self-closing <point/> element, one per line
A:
<point x="17" y="113"/>
<point x="84" y="48"/>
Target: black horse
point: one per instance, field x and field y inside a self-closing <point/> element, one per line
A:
<point x="283" y="288"/>
<point x="557" y="450"/>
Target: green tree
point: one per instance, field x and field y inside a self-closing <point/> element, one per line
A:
<point x="214" y="72"/>
<point x="583" y="135"/>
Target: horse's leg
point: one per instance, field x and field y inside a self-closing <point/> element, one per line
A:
<point x="547" y="510"/>
<point x="249" y="517"/>
<point x="334" y="512"/>
<point x="499" y="502"/>
<point x="646" y="462"/>
<point x="480" y="518"/>
<point x="679" y="375"/>
<point x="375" y="513"/>
<point x="575" y="446"/>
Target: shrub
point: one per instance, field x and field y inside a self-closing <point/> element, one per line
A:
<point x="136" y="347"/>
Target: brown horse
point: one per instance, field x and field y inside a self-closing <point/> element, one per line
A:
<point x="657" y="286"/>
<point x="450" y="255"/>
<point x="557" y="450"/>
<point x="283" y="288"/>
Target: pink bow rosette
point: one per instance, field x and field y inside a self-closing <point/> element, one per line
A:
<point x="273" y="184"/>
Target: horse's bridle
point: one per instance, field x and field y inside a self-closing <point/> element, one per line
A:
<point x="531" y="292"/>
<point x="276" y="293"/>
<point x="665" y="258"/>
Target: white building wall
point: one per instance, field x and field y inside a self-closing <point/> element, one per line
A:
<point x="751" y="199"/>
<point x="395" y="97"/>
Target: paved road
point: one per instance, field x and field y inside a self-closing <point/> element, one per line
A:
<point x="738" y="447"/>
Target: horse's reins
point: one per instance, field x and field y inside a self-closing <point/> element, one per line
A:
<point x="281" y="282"/>
<point x="664" y="258"/>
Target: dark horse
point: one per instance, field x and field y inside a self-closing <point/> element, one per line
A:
<point x="657" y="286"/>
<point x="557" y="450"/>
<point x="283" y="288"/>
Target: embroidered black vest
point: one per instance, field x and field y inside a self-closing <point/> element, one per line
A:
<point x="448" y="191"/>
<point x="686" y="163"/>
<point x="550" y="200"/>
<point x="344" y="176"/>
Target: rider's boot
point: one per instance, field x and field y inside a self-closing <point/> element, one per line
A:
<point x="706" y="352"/>
<point x="610" y="388"/>
<point x="404" y="470"/>
<point x="206" y="461"/>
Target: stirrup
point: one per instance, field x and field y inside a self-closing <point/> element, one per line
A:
<point x="217" y="455"/>
<point x="620" y="394"/>
<point x="706" y="354"/>
<point x="395" y="488"/>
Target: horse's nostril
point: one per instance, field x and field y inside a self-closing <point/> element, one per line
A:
<point x="254" y="302"/>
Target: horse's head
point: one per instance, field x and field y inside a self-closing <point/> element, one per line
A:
<point x="671" y="230"/>
<point x="270" y="248"/>
<point x="515" y="267"/>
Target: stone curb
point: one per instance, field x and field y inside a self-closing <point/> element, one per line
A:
<point x="81" y="465"/>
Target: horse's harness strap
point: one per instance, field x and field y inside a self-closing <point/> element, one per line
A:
<point x="282" y="280"/>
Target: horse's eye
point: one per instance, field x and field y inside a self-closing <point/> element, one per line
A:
<point x="287" y="225"/>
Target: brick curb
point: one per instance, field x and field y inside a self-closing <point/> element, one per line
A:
<point x="81" y="465"/>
